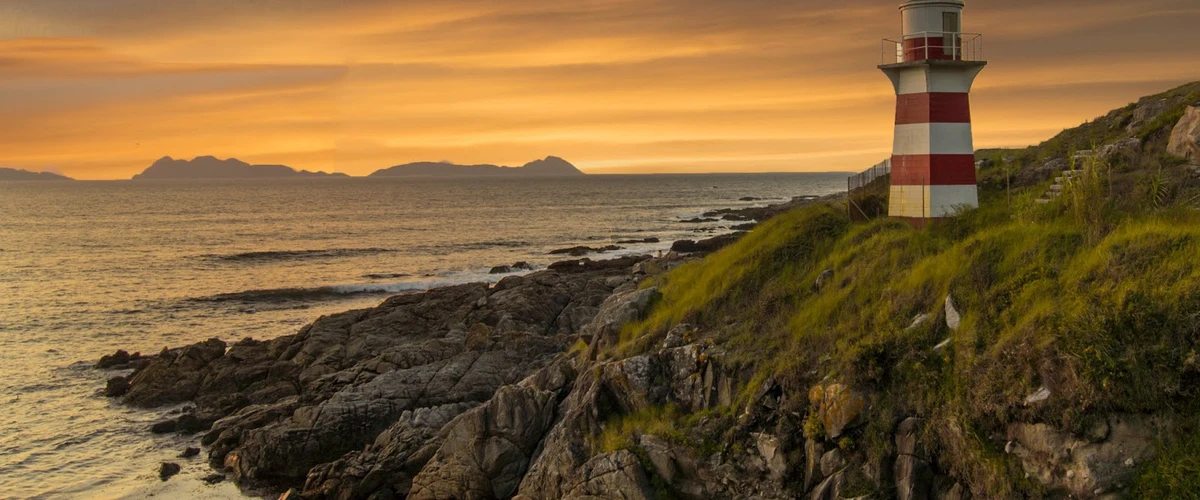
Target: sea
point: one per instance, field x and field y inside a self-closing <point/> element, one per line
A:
<point x="87" y="268"/>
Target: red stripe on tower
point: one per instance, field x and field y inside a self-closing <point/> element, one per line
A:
<point x="933" y="107"/>
<point x="933" y="160"/>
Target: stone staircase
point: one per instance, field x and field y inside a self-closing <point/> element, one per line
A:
<point x="1055" y="190"/>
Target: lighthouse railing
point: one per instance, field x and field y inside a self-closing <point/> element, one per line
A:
<point x="933" y="46"/>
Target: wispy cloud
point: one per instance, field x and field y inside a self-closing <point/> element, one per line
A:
<point x="100" y="89"/>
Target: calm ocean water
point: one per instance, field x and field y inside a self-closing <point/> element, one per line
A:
<point x="90" y="267"/>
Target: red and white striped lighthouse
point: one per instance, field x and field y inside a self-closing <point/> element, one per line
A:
<point x="932" y="67"/>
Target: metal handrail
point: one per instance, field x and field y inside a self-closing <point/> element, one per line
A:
<point x="933" y="45"/>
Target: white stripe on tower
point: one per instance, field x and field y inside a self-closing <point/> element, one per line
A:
<point x="933" y="161"/>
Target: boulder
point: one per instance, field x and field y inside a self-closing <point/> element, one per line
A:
<point x="1147" y="109"/>
<point x="121" y="357"/>
<point x="1185" y="137"/>
<point x="1067" y="465"/>
<point x="953" y="318"/>
<point x="167" y="469"/>
<point x="116" y="387"/>
<point x="189" y="452"/>
<point x="772" y="452"/>
<point x="174" y="376"/>
<point x="838" y="407"/>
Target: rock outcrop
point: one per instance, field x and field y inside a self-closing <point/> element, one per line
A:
<point x="441" y="394"/>
<point x="1185" y="137"/>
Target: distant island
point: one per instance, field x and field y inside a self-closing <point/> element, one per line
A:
<point x="208" y="167"/>
<point x="13" y="174"/>
<point x="552" y="166"/>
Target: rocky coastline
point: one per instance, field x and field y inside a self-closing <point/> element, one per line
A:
<point x="468" y="391"/>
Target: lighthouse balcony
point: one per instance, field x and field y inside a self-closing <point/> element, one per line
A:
<point x="933" y="46"/>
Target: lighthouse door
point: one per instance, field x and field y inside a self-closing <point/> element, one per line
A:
<point x="950" y="29"/>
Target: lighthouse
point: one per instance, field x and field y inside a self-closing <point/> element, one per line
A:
<point x="932" y="67"/>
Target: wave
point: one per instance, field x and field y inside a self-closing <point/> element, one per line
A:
<point x="278" y="255"/>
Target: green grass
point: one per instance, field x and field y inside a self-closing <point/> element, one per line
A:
<point x="1094" y="300"/>
<point x="1175" y="473"/>
<point x="1095" y="296"/>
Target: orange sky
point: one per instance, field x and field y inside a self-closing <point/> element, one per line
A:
<point x="101" y="91"/>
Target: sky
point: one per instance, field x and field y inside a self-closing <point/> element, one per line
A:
<point x="99" y="89"/>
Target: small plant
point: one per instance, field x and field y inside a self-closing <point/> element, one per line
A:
<point x="1158" y="189"/>
<point x="813" y="428"/>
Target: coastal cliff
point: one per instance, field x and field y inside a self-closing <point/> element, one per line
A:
<point x="1042" y="346"/>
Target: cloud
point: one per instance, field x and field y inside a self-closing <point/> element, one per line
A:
<point x="613" y="85"/>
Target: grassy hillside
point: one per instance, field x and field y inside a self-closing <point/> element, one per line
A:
<point x="1094" y="296"/>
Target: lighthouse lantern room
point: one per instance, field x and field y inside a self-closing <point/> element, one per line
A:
<point x="932" y="67"/>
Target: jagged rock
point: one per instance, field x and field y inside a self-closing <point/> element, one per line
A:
<point x="108" y="361"/>
<point x="1147" y="109"/>
<point x="486" y="451"/>
<point x="677" y="336"/>
<point x="356" y="404"/>
<point x="838" y="407"/>
<point x="174" y="376"/>
<point x="706" y="246"/>
<point x="914" y="475"/>
<point x="600" y="392"/>
<point x="116" y="387"/>
<point x="1185" y="137"/>
<point x="517" y="267"/>
<point x="649" y="268"/>
<point x="832" y="461"/>
<point x="676" y="465"/>
<point x="830" y="488"/>
<point x="1065" y="464"/>
<point x="390" y="463"/>
<point x="619" y="309"/>
<point x="167" y="469"/>
<point x="616" y="475"/>
<point x="772" y="451"/>
<point x="813" y="451"/>
<point x="1124" y="145"/>
<point x="953" y="318"/>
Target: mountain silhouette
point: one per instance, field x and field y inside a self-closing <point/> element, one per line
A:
<point x="13" y="174"/>
<point x="208" y="167"/>
<point x="551" y="166"/>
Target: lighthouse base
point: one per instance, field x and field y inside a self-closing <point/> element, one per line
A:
<point x="925" y="202"/>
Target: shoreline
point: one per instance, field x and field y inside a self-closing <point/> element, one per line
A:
<point x="244" y="395"/>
